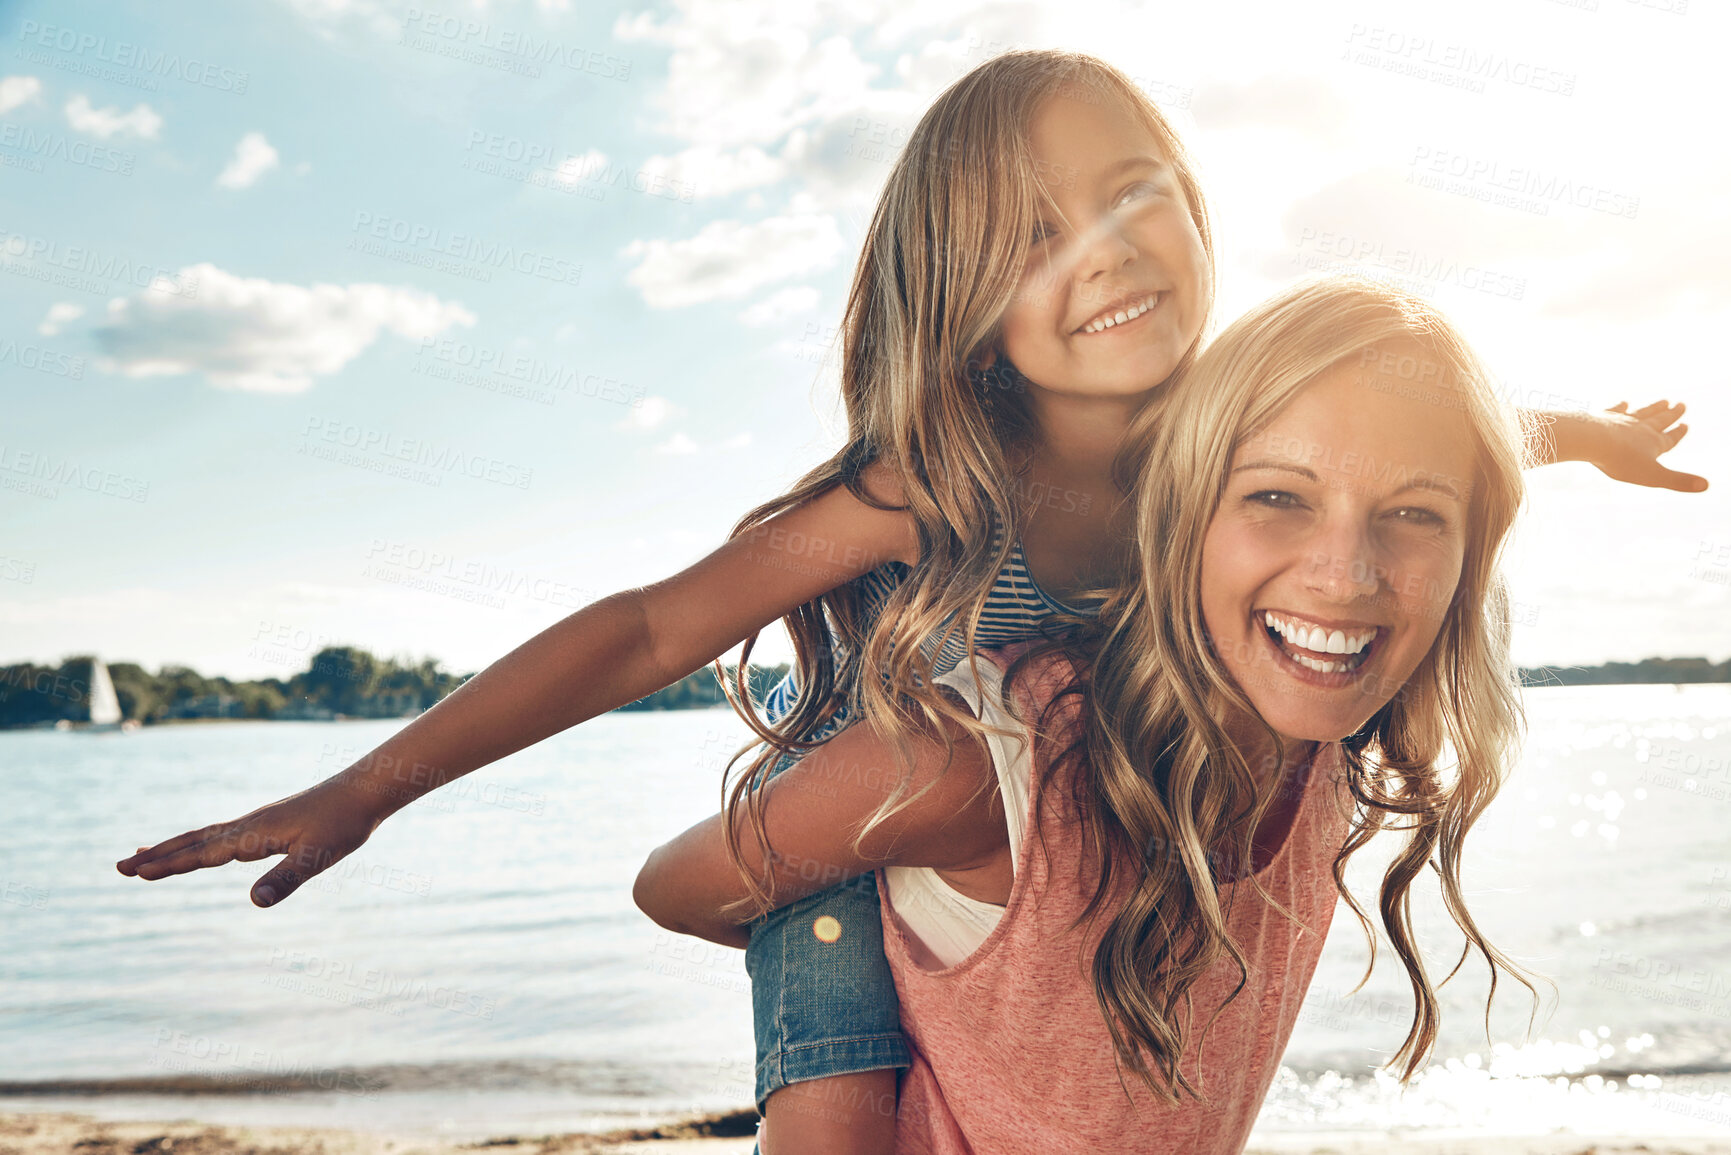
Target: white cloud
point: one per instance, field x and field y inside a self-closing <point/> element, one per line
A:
<point x="253" y="157"/>
<point x="765" y="89"/>
<point x="18" y="90"/>
<point x="143" y="121"/>
<point x="59" y="314"/>
<point x="709" y="171"/>
<point x="253" y="334"/>
<point x="728" y="259"/>
<point x="781" y="305"/>
<point x="678" y="444"/>
<point x="735" y="77"/>
<point x="652" y="413"/>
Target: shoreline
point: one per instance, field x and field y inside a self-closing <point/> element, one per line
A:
<point x="725" y="1133"/>
<point x="55" y="1132"/>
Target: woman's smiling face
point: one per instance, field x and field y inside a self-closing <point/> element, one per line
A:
<point x="1333" y="556"/>
<point x="1115" y="290"/>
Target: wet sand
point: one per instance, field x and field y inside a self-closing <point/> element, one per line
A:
<point x="729" y="1134"/>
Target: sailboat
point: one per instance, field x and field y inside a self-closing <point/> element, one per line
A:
<point x="105" y="714"/>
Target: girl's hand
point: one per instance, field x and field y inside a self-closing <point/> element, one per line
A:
<point x="1631" y="443"/>
<point x="314" y="829"/>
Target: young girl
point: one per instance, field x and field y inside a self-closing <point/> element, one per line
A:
<point x="1141" y="879"/>
<point x="1039" y="263"/>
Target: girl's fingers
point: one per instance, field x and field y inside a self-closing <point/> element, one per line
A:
<point x="219" y="845"/>
<point x="152" y="853"/>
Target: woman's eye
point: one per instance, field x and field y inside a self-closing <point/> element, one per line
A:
<point x="1275" y="499"/>
<point x="1418" y="515"/>
<point x="1042" y="232"/>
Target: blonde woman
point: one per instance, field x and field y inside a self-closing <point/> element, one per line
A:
<point x="1134" y="873"/>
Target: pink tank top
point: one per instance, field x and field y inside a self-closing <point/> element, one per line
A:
<point x="1010" y="1052"/>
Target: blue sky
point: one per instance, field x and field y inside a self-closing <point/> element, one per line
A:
<point x="418" y="327"/>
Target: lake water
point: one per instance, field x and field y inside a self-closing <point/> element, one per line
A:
<point x="478" y="967"/>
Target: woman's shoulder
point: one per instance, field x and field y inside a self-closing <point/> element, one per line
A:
<point x="1038" y="675"/>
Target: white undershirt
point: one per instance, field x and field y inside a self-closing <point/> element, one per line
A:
<point x="938" y="918"/>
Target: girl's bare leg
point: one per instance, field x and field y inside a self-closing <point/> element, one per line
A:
<point x="841" y="1115"/>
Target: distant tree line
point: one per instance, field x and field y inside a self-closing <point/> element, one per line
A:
<point x="349" y="682"/>
<point x="1664" y="671"/>
<point x="339" y="682"/>
<point x="701" y="689"/>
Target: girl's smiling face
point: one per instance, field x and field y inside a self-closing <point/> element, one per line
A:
<point x="1333" y="556"/>
<point x="1114" y="290"/>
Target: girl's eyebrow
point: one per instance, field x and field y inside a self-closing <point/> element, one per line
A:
<point x="1140" y="161"/>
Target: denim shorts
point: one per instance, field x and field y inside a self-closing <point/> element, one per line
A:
<point x="823" y="1003"/>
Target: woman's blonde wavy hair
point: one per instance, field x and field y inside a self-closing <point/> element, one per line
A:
<point x="1167" y="797"/>
<point x="942" y="261"/>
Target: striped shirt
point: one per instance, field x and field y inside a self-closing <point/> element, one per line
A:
<point x="1014" y="611"/>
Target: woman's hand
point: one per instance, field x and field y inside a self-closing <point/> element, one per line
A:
<point x="1624" y="444"/>
<point x="314" y="829"/>
<point x="1633" y="442"/>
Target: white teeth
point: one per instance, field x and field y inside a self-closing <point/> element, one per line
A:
<point x="1316" y="639"/>
<point x="1101" y="324"/>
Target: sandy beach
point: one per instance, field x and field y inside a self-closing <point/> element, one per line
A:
<point x="57" y="1133"/>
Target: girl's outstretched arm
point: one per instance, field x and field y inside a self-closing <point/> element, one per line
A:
<point x="605" y="655"/>
<point x="1624" y="445"/>
<point x="813" y="810"/>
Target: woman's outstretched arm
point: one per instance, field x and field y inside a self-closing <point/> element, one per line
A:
<point x="1625" y="445"/>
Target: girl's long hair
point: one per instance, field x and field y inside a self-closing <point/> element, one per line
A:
<point x="1166" y="795"/>
<point x="941" y="262"/>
